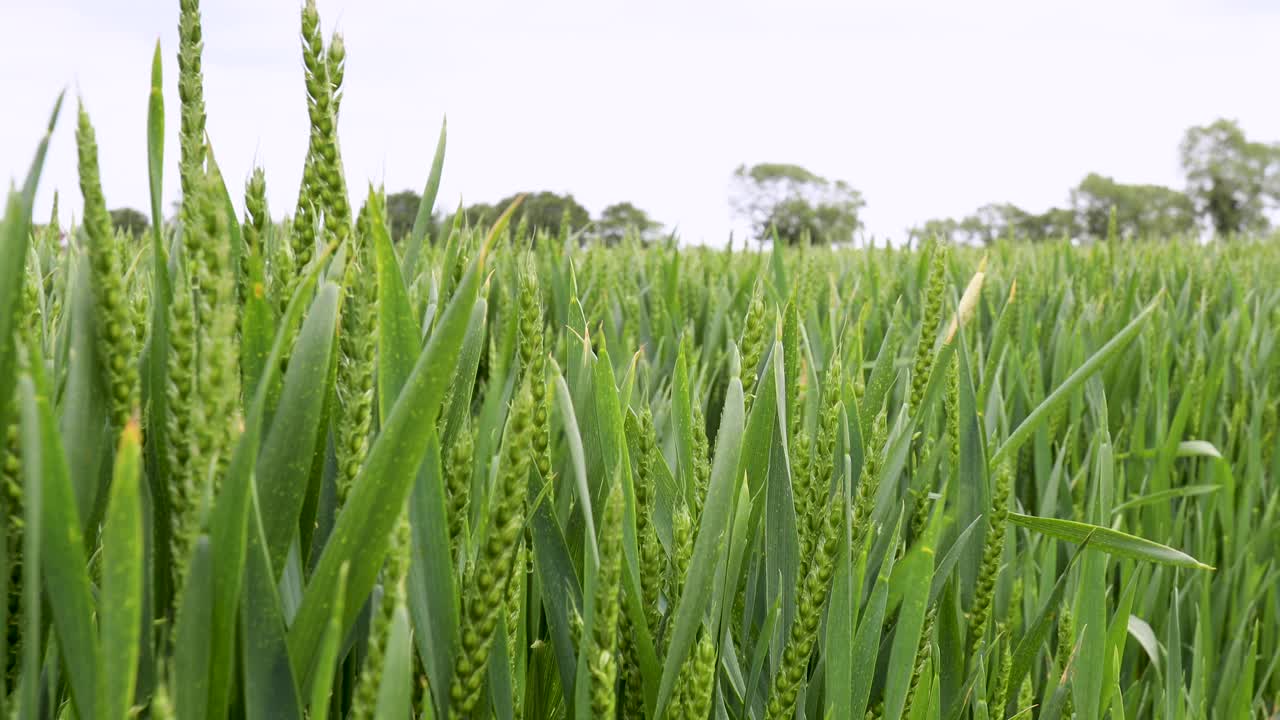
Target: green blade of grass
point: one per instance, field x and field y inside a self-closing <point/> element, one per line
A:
<point x="62" y="552"/>
<point x="155" y="145"/>
<point x="191" y="645"/>
<point x="559" y="579"/>
<point x="269" y="687"/>
<point x="913" y="576"/>
<point x="866" y="642"/>
<point x="122" y="553"/>
<point x="229" y="521"/>
<point x="395" y="690"/>
<point x="282" y="471"/>
<point x="425" y="206"/>
<point x="1037" y="632"/>
<point x="1107" y="540"/>
<point x="327" y="659"/>
<point x="715" y="517"/>
<point x="362" y="531"/>
<point x="398" y="336"/>
<point x="1074" y="382"/>
<point x="153" y="366"/>
<point x="432" y="595"/>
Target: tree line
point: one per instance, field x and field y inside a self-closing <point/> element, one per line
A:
<point x="554" y="213"/>
<point x="1232" y="186"/>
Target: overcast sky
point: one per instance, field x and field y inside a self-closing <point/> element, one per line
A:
<point x="930" y="108"/>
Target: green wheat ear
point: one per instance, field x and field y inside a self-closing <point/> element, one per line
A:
<point x="809" y="605"/>
<point x="1065" y="646"/>
<point x="754" y="327"/>
<point x="651" y="560"/>
<point x="923" y="652"/>
<point x="698" y="679"/>
<point x="984" y="591"/>
<point x="682" y="550"/>
<point x="457" y="470"/>
<point x="533" y="361"/>
<point x="312" y="194"/>
<point x="191" y="95"/>
<point x="180" y="430"/>
<point x="394" y="576"/>
<point x="357" y="345"/>
<point x="254" y="230"/>
<point x="823" y="461"/>
<point x="482" y="600"/>
<point x="217" y="311"/>
<point x="13" y="514"/>
<point x="931" y="319"/>
<point x="603" y="653"/>
<point x="114" y="321"/>
<point x="701" y="463"/>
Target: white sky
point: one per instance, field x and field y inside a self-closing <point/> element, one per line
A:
<point x="930" y="108"/>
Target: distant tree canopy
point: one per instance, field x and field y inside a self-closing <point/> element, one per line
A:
<point x="1232" y="185"/>
<point x="796" y="204"/>
<point x="618" y="219"/>
<point x="402" y="211"/>
<point x="130" y="221"/>
<point x="541" y="211"/>
<point x="545" y="211"/>
<point x="1230" y="178"/>
<point x="1142" y="211"/>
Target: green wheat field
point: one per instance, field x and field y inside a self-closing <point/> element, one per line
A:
<point x="309" y="470"/>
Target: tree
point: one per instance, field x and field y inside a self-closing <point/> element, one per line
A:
<point x="796" y="204"/>
<point x="620" y="218"/>
<point x="542" y="211"/>
<point x="1000" y="220"/>
<point x="945" y="229"/>
<point x="992" y="222"/>
<point x="1142" y="211"/>
<point x="1230" y="179"/>
<point x="402" y="210"/>
<point x="130" y="221"/>
<point x="1052" y="224"/>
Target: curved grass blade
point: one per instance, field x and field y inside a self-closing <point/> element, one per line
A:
<point x="1164" y="496"/>
<point x="1107" y="540"/>
<point x="949" y="560"/>
<point x="1075" y="381"/>
<point x="425" y="207"/>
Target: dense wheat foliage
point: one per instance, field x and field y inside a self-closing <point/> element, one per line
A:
<point x="306" y="469"/>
